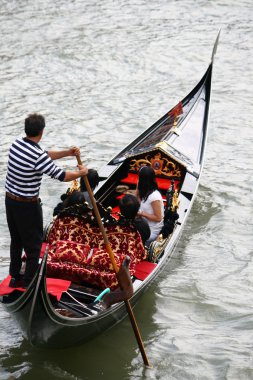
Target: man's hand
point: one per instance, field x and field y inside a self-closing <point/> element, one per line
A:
<point x="74" y="151"/>
<point x="83" y="169"/>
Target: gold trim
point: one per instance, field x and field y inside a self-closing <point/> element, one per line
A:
<point x="160" y="164"/>
<point x="75" y="186"/>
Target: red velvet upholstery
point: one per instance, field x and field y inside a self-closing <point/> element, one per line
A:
<point x="99" y="259"/>
<point x="115" y="212"/>
<point x="120" y="196"/>
<point x="163" y="183"/>
<point x="70" y="251"/>
<point x="55" y="287"/>
<point x="77" y="251"/>
<point x="143" y="269"/>
<point x="132" y="178"/>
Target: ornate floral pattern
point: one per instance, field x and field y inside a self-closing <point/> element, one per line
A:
<point x="77" y="251"/>
<point x="70" y="251"/>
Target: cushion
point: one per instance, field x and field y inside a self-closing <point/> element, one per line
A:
<point x="123" y="239"/>
<point x="77" y="251"/>
<point x="78" y="274"/>
<point x="143" y="269"/>
<point x="55" y="287"/>
<point x="70" y="251"/>
<point x="163" y="183"/>
<point x="100" y="259"/>
<point x="132" y="178"/>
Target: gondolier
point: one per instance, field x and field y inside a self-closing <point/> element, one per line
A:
<point x="26" y="165"/>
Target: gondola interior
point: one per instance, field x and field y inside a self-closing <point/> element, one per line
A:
<point x="79" y="299"/>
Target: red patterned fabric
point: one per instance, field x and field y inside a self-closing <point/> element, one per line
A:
<point x="79" y="274"/>
<point x="77" y="251"/>
<point x="100" y="259"/>
<point x="71" y="251"/>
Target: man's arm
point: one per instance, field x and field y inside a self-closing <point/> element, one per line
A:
<point x="71" y="175"/>
<point x="55" y="155"/>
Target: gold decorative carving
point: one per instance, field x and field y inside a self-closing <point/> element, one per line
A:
<point x="75" y="186"/>
<point x="156" y="249"/>
<point x="175" y="201"/>
<point x="161" y="165"/>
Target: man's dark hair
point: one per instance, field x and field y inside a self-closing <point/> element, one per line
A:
<point x="34" y="125"/>
<point x="129" y="206"/>
<point x="93" y="178"/>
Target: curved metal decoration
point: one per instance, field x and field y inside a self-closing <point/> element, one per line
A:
<point x="160" y="164"/>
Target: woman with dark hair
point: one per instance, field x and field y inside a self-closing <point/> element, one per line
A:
<point x="93" y="179"/>
<point x="151" y="207"/>
<point x="129" y="206"/>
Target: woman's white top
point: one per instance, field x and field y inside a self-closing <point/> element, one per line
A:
<point x="146" y="207"/>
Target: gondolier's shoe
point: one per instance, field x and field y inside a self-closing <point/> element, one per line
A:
<point x="17" y="282"/>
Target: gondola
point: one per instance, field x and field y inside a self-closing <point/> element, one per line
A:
<point x="68" y="303"/>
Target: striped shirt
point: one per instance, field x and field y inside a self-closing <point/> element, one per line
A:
<point x="26" y="165"/>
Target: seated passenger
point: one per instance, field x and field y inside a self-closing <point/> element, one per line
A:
<point x="151" y="207"/>
<point x="69" y="199"/>
<point x="93" y="178"/>
<point x="129" y="206"/>
<point x="76" y="197"/>
<point x="60" y="205"/>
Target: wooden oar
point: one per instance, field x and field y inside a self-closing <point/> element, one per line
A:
<point x="116" y="269"/>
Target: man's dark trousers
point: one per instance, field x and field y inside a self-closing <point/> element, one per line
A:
<point x="25" y="222"/>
